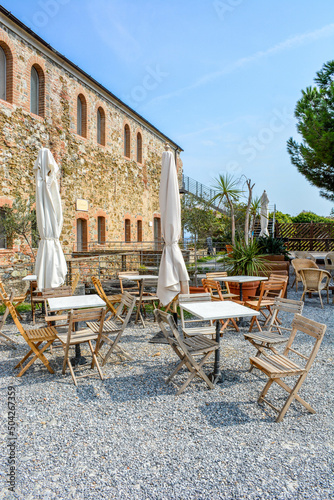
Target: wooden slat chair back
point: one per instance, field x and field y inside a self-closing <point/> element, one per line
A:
<point x="191" y="326"/>
<point x="129" y="285"/>
<point x="187" y="349"/>
<point x="34" y="337"/>
<point x="265" y="302"/>
<point x="273" y="335"/>
<point x="146" y="296"/>
<point x="86" y="335"/>
<point x="3" y="337"/>
<point x="75" y="281"/>
<point x="298" y="264"/>
<point x="314" y="281"/>
<point x="213" y="287"/>
<point x="114" y="328"/>
<point x="109" y="300"/>
<point x="279" y="366"/>
<point x="16" y="299"/>
<point x="48" y="293"/>
<point x="225" y="288"/>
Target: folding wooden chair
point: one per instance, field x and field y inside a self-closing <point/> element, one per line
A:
<point x="272" y="336"/>
<point x="43" y="296"/>
<point x="225" y="288"/>
<point x="50" y="293"/>
<point x="265" y="302"/>
<point x="34" y="338"/>
<point x="110" y="300"/>
<point x="146" y="296"/>
<point x="190" y="327"/>
<point x="85" y="335"/>
<point x="211" y="287"/>
<point x="186" y="349"/>
<point x="16" y="300"/>
<point x="7" y="340"/>
<point x="115" y="327"/>
<point x="129" y="285"/>
<point x="279" y="366"/>
<point x="75" y="281"/>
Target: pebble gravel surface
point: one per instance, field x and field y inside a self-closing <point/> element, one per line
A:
<point x="130" y="437"/>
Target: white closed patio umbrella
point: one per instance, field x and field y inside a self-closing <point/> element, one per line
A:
<point x="173" y="274"/>
<point x="50" y="266"/>
<point x="264" y="214"/>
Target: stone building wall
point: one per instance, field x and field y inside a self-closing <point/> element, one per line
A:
<point x="115" y="187"/>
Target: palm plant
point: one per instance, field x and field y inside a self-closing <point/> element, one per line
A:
<point x="227" y="191"/>
<point x="246" y="259"/>
<point x="254" y="213"/>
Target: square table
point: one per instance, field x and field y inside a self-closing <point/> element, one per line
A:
<point x="75" y="302"/>
<point x="141" y="278"/>
<point x="241" y="280"/>
<point x="217" y="310"/>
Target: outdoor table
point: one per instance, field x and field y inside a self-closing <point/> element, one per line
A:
<point x="241" y="280"/>
<point x="75" y="302"/>
<point x="140" y="278"/>
<point x="217" y="310"/>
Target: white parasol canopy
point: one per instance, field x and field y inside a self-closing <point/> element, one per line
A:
<point x="264" y="214"/>
<point x="50" y="266"/>
<point x="173" y="275"/>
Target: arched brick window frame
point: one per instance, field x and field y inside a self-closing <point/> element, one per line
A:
<point x="139" y="147"/>
<point x="127" y="141"/>
<point x="36" y="67"/>
<point x="3" y="202"/>
<point x="81" y="231"/>
<point x="101" y="126"/>
<point x="9" y="68"/>
<point x="81" y="115"/>
<point x="101" y="229"/>
<point x="127" y="229"/>
<point x="139" y="230"/>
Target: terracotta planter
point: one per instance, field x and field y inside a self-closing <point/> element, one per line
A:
<point x="248" y="289"/>
<point x="196" y="289"/>
<point x="273" y="257"/>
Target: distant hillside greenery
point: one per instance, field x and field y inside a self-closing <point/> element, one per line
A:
<point x="303" y="217"/>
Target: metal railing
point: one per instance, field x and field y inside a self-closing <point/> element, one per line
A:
<point x="200" y="191"/>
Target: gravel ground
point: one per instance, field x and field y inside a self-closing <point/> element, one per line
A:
<point x="131" y="437"/>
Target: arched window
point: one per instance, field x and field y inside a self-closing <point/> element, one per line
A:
<point x="3" y="74"/>
<point x="139" y="230"/>
<point x="34" y="91"/>
<point x="127" y="141"/>
<point x="3" y="239"/>
<point x="81" y="235"/>
<point x="37" y="90"/>
<point x="139" y="148"/>
<point x="6" y="73"/>
<point x="101" y="129"/>
<point x="101" y="230"/>
<point x="81" y="116"/>
<point x="127" y="230"/>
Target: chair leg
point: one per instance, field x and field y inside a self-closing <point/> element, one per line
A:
<point x="40" y="356"/>
<point x="322" y="306"/>
<point x="265" y="390"/>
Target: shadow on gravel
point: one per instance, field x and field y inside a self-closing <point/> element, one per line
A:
<point x="227" y="414"/>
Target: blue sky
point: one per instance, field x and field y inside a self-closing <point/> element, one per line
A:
<point x="219" y="77"/>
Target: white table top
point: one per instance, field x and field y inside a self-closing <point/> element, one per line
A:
<point x="241" y="279"/>
<point x="139" y="277"/>
<point x="75" y="302"/>
<point x="218" y="310"/>
<point x="30" y="277"/>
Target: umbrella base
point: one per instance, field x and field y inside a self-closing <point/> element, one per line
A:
<point x="79" y="361"/>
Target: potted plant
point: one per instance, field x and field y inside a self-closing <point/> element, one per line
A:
<point x="273" y="248"/>
<point x="246" y="260"/>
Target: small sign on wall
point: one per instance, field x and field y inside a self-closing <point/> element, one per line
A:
<point x="81" y="205"/>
